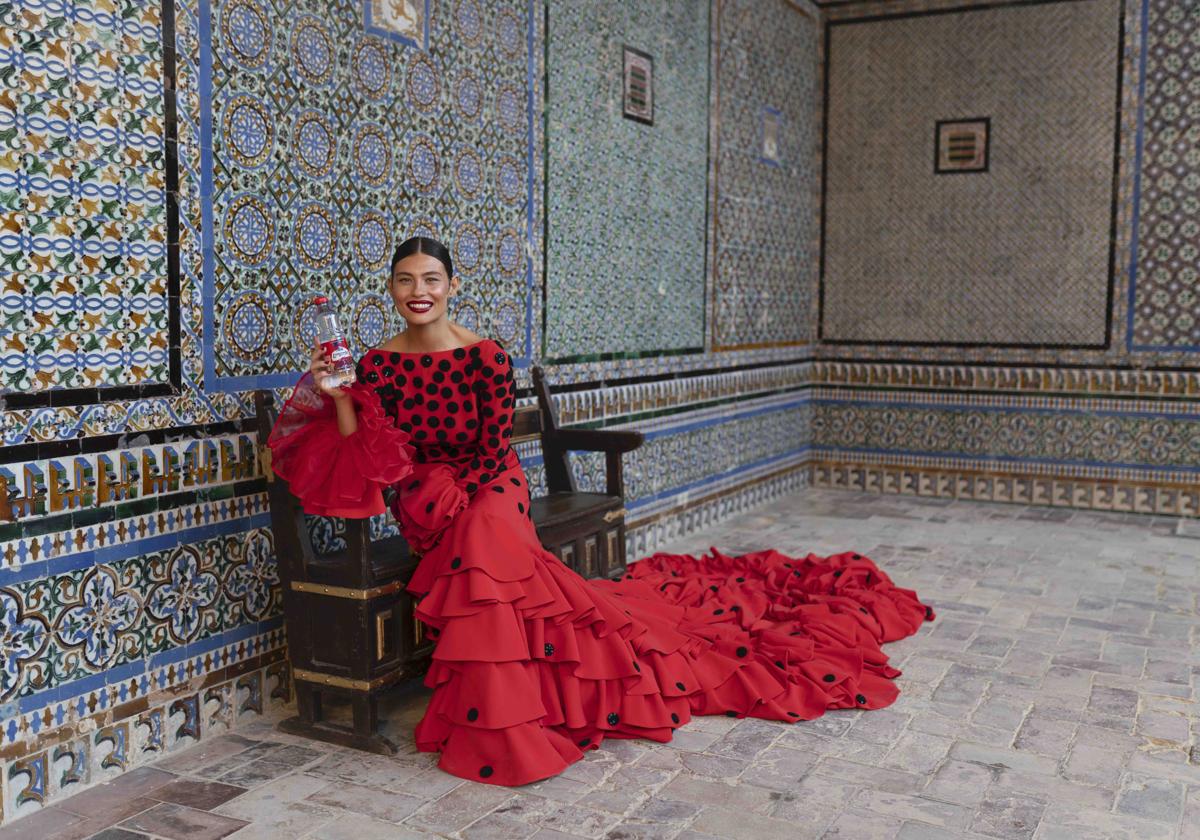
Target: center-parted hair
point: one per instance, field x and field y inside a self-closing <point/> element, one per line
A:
<point x="423" y="245"/>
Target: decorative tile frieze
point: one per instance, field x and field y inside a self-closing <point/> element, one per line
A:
<point x="47" y="487"/>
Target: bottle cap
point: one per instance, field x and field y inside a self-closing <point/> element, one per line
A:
<point x="319" y="299"/>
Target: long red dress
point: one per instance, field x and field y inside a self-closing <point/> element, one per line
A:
<point x="534" y="664"/>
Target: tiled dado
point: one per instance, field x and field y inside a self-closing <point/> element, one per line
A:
<point x="57" y="750"/>
<point x="884" y="474"/>
<point x="682" y="389"/>
<point x="1089" y="381"/>
<point x="612" y="401"/>
<point x="125" y="536"/>
<point x="46" y="487"/>
<point x="648" y="530"/>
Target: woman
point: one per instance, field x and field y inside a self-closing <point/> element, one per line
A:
<point x="533" y="664"/>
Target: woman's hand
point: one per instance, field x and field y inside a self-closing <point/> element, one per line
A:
<point x="320" y="366"/>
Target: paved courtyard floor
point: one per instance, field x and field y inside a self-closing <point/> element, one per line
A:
<point x="1054" y="697"/>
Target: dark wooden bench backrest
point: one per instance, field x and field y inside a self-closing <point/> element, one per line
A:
<point x="527" y="424"/>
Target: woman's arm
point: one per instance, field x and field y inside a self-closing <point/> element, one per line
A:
<point x="347" y="417"/>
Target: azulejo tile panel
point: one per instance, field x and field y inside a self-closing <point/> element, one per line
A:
<point x="764" y="208"/>
<point x="1055" y="433"/>
<point x="1166" y="305"/>
<point x="85" y="298"/>
<point x="51" y="486"/>
<point x="113" y="617"/>
<point x="329" y="145"/>
<point x="88" y="738"/>
<point x="625" y="248"/>
<point x="698" y="448"/>
<point x="911" y="477"/>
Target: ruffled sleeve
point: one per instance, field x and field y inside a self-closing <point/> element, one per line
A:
<point x="426" y="503"/>
<point x="332" y="474"/>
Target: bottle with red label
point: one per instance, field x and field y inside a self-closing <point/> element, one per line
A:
<point x="333" y="342"/>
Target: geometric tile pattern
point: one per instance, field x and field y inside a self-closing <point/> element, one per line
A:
<point x="681" y="452"/>
<point x="60" y="738"/>
<point x="650" y="531"/>
<point x="41" y="488"/>
<point x="1139" y="491"/>
<point x="29" y="552"/>
<point x="625" y="254"/>
<point x="64" y="746"/>
<point x="1166" y="300"/>
<point x="1019" y="254"/>
<point x="64" y="627"/>
<point x="1119" y="436"/>
<point x="330" y="145"/>
<point x="765" y="230"/>
<point x="83" y="211"/>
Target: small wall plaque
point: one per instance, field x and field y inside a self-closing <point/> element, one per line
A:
<point x="961" y="145"/>
<point x="639" y="86"/>
<point x="404" y="21"/>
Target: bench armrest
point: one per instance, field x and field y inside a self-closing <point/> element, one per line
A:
<point x="599" y="440"/>
<point x="612" y="442"/>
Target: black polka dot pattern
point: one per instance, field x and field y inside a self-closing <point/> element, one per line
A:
<point x="485" y="771"/>
<point x="472" y="714"/>
<point x="459" y="399"/>
<point x="613" y="718"/>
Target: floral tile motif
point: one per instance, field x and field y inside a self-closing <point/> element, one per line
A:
<point x="68" y="626"/>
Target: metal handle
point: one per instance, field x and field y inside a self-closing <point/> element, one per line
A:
<point x="381" y="621"/>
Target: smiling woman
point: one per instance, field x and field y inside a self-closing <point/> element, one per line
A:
<point x="534" y="664"/>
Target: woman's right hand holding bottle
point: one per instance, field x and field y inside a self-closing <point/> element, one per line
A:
<point x="321" y="368"/>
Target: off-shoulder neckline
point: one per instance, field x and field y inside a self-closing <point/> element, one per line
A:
<point x="428" y="352"/>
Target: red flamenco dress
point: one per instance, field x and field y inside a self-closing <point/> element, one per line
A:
<point x="534" y="664"/>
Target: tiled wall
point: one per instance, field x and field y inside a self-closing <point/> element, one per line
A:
<point x="1081" y="390"/>
<point x="177" y="176"/>
<point x="625" y="248"/>
<point x="297" y="141"/>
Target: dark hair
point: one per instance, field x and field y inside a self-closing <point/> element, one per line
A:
<point x="423" y="245"/>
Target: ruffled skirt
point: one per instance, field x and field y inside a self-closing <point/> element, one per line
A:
<point x="533" y="664"/>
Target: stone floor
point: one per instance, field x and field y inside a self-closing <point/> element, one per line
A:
<point x="1054" y="697"/>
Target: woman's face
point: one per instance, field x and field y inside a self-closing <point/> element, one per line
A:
<point x="420" y="288"/>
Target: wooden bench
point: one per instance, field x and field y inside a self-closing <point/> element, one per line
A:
<point x="350" y="625"/>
